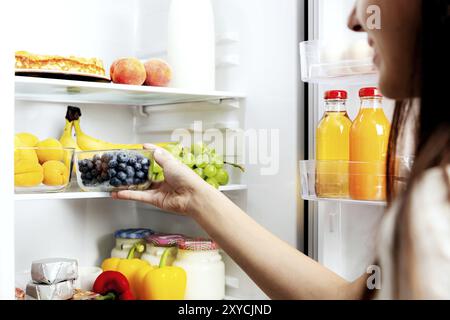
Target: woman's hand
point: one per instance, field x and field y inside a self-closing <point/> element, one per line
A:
<point x="180" y="192"/>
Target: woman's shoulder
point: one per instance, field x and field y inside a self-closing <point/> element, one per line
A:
<point x="432" y="188"/>
<point x="430" y="210"/>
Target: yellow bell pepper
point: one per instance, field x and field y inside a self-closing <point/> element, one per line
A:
<point x="129" y="266"/>
<point x="147" y="282"/>
<point x="162" y="283"/>
<point x="166" y="283"/>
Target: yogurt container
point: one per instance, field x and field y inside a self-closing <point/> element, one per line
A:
<point x="205" y="269"/>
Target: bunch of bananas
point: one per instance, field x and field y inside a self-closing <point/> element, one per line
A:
<point x="83" y="141"/>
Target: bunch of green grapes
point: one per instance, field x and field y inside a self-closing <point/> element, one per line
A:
<point x="203" y="160"/>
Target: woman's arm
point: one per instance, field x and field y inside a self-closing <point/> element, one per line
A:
<point x="280" y="270"/>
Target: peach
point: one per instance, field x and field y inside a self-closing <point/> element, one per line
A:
<point x="159" y="73"/>
<point x="128" y="71"/>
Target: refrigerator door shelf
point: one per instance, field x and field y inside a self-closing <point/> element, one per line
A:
<point x="349" y="201"/>
<point x="336" y="180"/>
<point x="324" y="63"/>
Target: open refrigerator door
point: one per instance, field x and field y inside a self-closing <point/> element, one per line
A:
<point x="338" y="62"/>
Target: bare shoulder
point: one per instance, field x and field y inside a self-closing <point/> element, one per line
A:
<point x="432" y="189"/>
<point x="431" y="230"/>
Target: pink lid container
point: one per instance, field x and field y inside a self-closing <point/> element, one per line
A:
<point x="198" y="244"/>
<point x="165" y="240"/>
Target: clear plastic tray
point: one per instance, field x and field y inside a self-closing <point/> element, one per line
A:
<point x="114" y="170"/>
<point x="42" y="170"/>
<point x="322" y="62"/>
<point x="349" y="181"/>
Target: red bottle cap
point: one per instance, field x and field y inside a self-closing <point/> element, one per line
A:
<point x="370" y="92"/>
<point x="336" y="95"/>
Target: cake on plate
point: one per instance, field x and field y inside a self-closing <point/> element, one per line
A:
<point x="28" y="61"/>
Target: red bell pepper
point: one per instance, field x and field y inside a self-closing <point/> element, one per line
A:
<point x="113" y="285"/>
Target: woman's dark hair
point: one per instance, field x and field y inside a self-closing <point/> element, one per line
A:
<point x="432" y="133"/>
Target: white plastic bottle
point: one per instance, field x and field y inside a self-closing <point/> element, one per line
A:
<point x="191" y="44"/>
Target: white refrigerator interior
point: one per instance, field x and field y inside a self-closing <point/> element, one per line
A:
<point x="256" y="55"/>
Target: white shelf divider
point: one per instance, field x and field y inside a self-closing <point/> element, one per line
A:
<point x="73" y="194"/>
<point x="83" y="92"/>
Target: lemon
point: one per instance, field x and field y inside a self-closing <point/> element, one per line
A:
<point x="49" y="149"/>
<point x="28" y="139"/>
<point x="55" y="173"/>
<point x="23" y="152"/>
<point x="28" y="173"/>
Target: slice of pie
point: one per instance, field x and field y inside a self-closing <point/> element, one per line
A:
<point x="29" y="61"/>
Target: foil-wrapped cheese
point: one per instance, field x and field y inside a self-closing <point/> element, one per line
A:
<point x="59" y="291"/>
<point x="52" y="271"/>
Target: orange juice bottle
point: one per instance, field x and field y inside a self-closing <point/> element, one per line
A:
<point x="369" y="138"/>
<point x="332" y="148"/>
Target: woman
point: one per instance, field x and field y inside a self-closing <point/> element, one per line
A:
<point x="414" y="247"/>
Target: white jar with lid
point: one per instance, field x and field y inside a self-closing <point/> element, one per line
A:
<point x="156" y="244"/>
<point x="204" y="267"/>
<point x="126" y="239"/>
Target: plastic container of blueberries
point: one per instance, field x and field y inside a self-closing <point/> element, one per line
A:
<point x="114" y="170"/>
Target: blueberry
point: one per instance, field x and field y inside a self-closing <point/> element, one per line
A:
<point x="113" y="163"/>
<point x="130" y="171"/>
<point x="129" y="181"/>
<point x="88" y="176"/>
<point x="112" y="173"/>
<point x="84" y="177"/>
<point x="137" y="181"/>
<point x="140" y="174"/>
<point x="83" y="169"/>
<point x="122" y="176"/>
<point x="139" y="157"/>
<point x="95" y="173"/>
<point x="145" y="161"/>
<point x="81" y="164"/>
<point x="145" y="168"/>
<point x="90" y="164"/>
<point x="98" y="165"/>
<point x="115" y="182"/>
<point x="122" y="167"/>
<point x="132" y="160"/>
<point x="138" y="166"/>
<point x="122" y="157"/>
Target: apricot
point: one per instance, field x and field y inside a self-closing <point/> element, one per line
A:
<point x="128" y="71"/>
<point x="159" y="73"/>
<point x="55" y="173"/>
<point x="49" y="149"/>
<point x="28" y="173"/>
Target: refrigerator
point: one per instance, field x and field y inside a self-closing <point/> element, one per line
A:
<point x="259" y="93"/>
